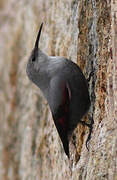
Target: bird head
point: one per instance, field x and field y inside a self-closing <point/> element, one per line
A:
<point x="36" y="59"/>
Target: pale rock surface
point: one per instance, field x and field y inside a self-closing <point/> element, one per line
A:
<point x="84" y="31"/>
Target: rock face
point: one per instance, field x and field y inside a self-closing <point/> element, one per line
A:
<point x="84" y="31"/>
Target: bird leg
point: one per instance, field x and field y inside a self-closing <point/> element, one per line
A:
<point x="90" y="75"/>
<point x="90" y="126"/>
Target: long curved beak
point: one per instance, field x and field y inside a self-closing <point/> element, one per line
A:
<point x="38" y="37"/>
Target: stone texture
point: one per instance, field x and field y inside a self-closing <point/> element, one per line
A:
<point x="85" y="32"/>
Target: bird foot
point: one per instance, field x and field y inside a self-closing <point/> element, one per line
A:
<point x="90" y="126"/>
<point x="90" y="75"/>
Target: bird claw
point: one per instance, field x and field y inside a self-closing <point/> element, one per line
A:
<point x="90" y="75"/>
<point x="90" y="126"/>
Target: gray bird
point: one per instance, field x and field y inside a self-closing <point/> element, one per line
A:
<point x="65" y="88"/>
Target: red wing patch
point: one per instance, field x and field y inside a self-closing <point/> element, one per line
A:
<point x="63" y="119"/>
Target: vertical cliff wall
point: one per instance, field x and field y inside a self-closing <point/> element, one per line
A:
<point x="84" y="31"/>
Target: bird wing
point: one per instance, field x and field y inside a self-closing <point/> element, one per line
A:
<point x="60" y="100"/>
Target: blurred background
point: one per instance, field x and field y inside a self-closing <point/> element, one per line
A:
<point x="83" y="31"/>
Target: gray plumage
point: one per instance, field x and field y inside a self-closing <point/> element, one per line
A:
<point x="65" y="88"/>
